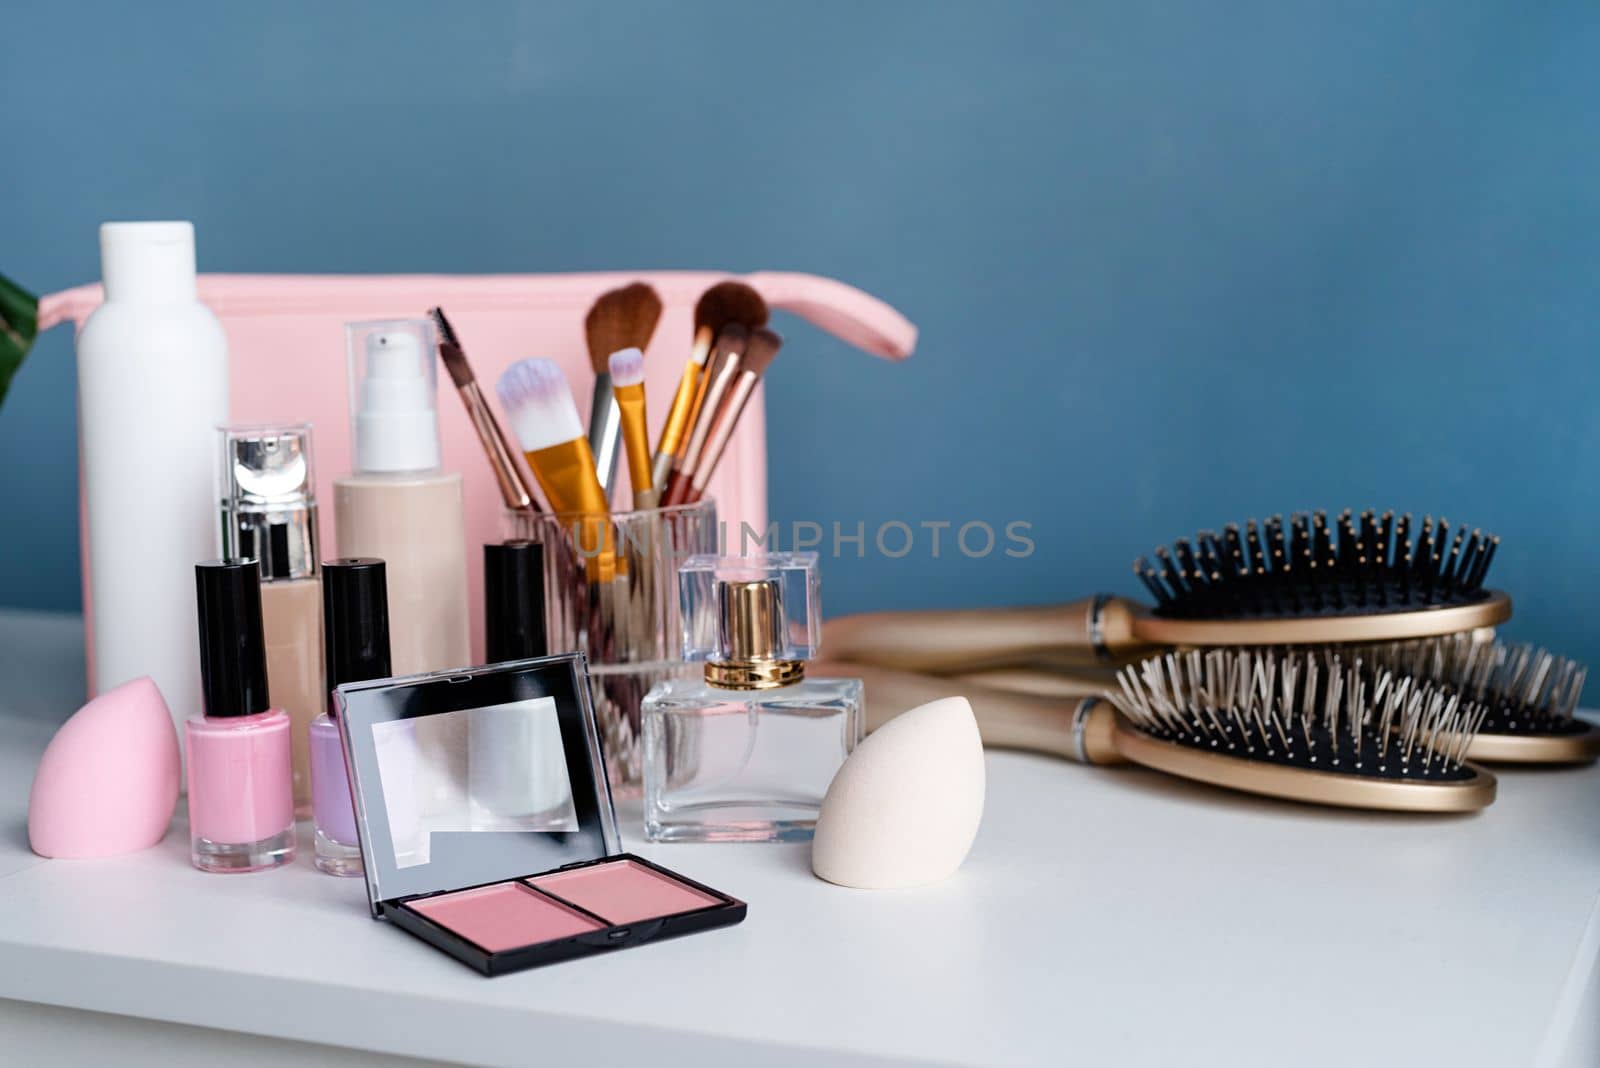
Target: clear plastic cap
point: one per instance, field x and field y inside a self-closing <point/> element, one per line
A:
<point x="728" y="601"/>
<point x="394" y="395"/>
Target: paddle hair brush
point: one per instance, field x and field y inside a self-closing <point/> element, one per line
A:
<point x="1298" y="582"/>
<point x="1307" y="726"/>
<point x="1531" y="696"/>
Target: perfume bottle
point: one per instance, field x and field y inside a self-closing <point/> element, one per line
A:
<point x="747" y="753"/>
<point x="241" y="797"/>
<point x="355" y="621"/>
<point x="269" y="514"/>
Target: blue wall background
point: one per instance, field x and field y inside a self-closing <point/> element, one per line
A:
<point x="1174" y="264"/>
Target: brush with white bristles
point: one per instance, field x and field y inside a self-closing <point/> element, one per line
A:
<point x="620" y="319"/>
<point x="627" y="387"/>
<point x="538" y="404"/>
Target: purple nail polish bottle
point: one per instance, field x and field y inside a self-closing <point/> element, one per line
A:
<point x="355" y="615"/>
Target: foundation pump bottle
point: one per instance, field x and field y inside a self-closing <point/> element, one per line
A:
<point x="269" y="515"/>
<point x="399" y="505"/>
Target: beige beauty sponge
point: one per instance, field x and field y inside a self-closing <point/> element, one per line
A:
<point x="905" y="807"/>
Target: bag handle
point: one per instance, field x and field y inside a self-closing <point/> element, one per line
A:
<point x="842" y="310"/>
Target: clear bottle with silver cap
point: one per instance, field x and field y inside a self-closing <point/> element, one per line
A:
<point x="746" y="753"/>
<point x="267" y="486"/>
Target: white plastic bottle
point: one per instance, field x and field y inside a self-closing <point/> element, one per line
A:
<point x="152" y="390"/>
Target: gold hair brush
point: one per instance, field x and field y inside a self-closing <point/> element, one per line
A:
<point x="1530" y="695"/>
<point x="1311" y="726"/>
<point x="1366" y="578"/>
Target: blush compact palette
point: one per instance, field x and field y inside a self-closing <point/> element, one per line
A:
<point x="486" y="823"/>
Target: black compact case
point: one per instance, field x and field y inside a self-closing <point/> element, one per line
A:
<point x="486" y="823"/>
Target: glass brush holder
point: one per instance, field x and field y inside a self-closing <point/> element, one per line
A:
<point x="611" y="594"/>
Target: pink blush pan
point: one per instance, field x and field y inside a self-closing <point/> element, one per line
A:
<point x="624" y="892"/>
<point x="505" y="916"/>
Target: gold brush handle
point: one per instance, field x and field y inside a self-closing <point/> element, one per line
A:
<point x="1075" y="728"/>
<point x="1084" y="632"/>
<point x="1044" y="680"/>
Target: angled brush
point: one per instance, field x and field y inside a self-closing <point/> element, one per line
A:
<point x="514" y="487"/>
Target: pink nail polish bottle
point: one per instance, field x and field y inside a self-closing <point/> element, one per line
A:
<point x="241" y="783"/>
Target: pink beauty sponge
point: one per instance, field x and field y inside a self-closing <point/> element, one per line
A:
<point x="108" y="781"/>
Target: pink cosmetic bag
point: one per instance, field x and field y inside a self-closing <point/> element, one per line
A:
<point x="286" y="344"/>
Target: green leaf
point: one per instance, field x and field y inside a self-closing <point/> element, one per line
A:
<point x="19" y="324"/>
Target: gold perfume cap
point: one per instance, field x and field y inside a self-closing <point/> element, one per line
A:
<point x="751" y="620"/>
<point x="751" y="638"/>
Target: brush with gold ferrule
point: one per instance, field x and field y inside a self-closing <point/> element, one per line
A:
<point x="627" y="385"/>
<point x="620" y="319"/>
<point x="722" y="304"/>
<point x="719" y="379"/>
<point x="515" y="489"/>
<point x="759" y="353"/>
<point x="544" y="418"/>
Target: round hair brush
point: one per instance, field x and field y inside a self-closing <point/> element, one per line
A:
<point x="1364" y="579"/>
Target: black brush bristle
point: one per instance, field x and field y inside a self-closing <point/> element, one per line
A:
<point x="1319" y="710"/>
<point x="447" y="333"/>
<point x="1309" y="566"/>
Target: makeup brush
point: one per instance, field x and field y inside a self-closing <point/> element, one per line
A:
<point x="723" y="303"/>
<point x="627" y="385"/>
<point x="544" y="418"/>
<point x="620" y="319"/>
<point x="758" y="356"/>
<point x="718" y="381"/>
<point x="514" y="487"/>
